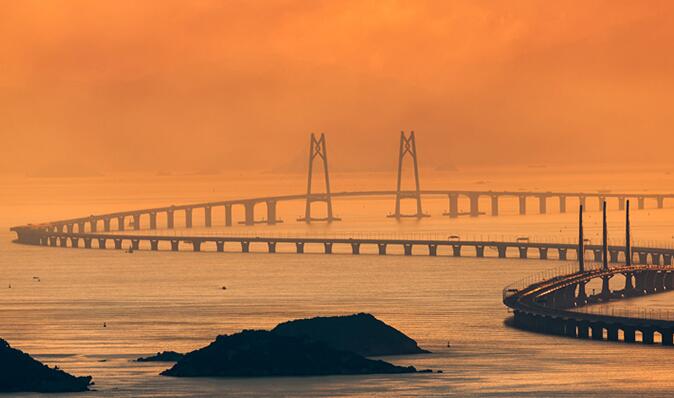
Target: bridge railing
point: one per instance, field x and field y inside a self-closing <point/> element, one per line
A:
<point x="628" y="312"/>
<point x="546" y="275"/>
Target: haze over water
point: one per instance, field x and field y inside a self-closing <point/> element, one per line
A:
<point x="153" y="301"/>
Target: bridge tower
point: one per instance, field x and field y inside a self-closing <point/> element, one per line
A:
<point x="605" y="289"/>
<point x="628" y="237"/>
<point x="317" y="149"/>
<point x="581" y="242"/>
<point x="408" y="147"/>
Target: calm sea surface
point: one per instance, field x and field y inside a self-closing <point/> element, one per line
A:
<point x="152" y="301"/>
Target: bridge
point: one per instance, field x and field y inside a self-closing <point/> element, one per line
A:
<point x="557" y="302"/>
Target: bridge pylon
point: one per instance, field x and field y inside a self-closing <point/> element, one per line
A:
<point x="408" y="147"/>
<point x="317" y="149"/>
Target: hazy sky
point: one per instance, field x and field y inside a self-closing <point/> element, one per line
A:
<point x="217" y="85"/>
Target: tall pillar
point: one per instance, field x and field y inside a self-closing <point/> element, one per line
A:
<point x="621" y="202"/>
<point x="228" y="215"/>
<point x="271" y="212"/>
<point x="562" y="204"/>
<point x="106" y="224"/>
<point x="453" y="205"/>
<point x="250" y="213"/>
<point x="208" y="216"/>
<point x="408" y="147"/>
<point x="188" y="217"/>
<point x="494" y="205"/>
<point x="153" y="220"/>
<point x="120" y="223"/>
<point x="604" y="242"/>
<point x="542" y="204"/>
<point x="641" y="201"/>
<point x="581" y="241"/>
<point x="474" y="205"/>
<point x="317" y="149"/>
<point x="170" y="221"/>
<point x="523" y="204"/>
<point x="136" y="221"/>
<point x="93" y="223"/>
<point x="661" y="201"/>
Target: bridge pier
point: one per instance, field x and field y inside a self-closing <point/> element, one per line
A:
<point x="456" y="250"/>
<point x="228" y="215"/>
<point x="543" y="253"/>
<point x="523" y="204"/>
<point x="629" y="334"/>
<point x="175" y="245"/>
<point x="667" y="338"/>
<point x="80" y="227"/>
<point x="106" y="224"/>
<point x="661" y="202"/>
<point x="408" y="249"/>
<point x="102" y="243"/>
<point x="542" y="204"/>
<point x="220" y="245"/>
<point x="570" y="328"/>
<point x="188" y="217"/>
<point x="614" y="256"/>
<point x="628" y="282"/>
<point x="93" y="224"/>
<point x="667" y="259"/>
<point x="382" y="249"/>
<point x="355" y="248"/>
<point x="621" y="203"/>
<point x="74" y="242"/>
<point x="523" y="251"/>
<point x="135" y="244"/>
<point x="327" y="247"/>
<point x="640" y="202"/>
<point x="453" y="205"/>
<point x="612" y="333"/>
<point x="250" y="213"/>
<point x="432" y="250"/>
<point x="583" y="330"/>
<point x="601" y="199"/>
<point x="153" y="220"/>
<point x="597" y="331"/>
<point x="597" y="255"/>
<point x="655" y="258"/>
<point x="154" y="244"/>
<point x="502" y="249"/>
<point x="605" y="289"/>
<point x="271" y="212"/>
<point x="474" y="205"/>
<point x="196" y="245"/>
<point x="170" y="219"/>
<point x="70" y="228"/>
<point x="643" y="258"/>
<point x="299" y="246"/>
<point x="479" y="251"/>
<point x="582" y="200"/>
<point x="120" y="223"/>
<point x="87" y="243"/>
<point x="647" y="335"/>
<point x="208" y="216"/>
<point x="118" y="244"/>
<point x="245" y="247"/>
<point x="136" y="221"/>
<point x="561" y="253"/>
<point x="581" y="299"/>
<point x="63" y="241"/>
<point x="562" y="204"/>
<point x="494" y="205"/>
<point x="271" y="247"/>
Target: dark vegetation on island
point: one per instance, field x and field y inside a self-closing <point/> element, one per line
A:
<point x="164" y="356"/>
<point x="308" y="347"/>
<point x="361" y="333"/>
<point x="21" y="373"/>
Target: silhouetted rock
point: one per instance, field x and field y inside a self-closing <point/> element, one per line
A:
<point x="21" y="373"/>
<point x="360" y="333"/>
<point x="258" y="353"/>
<point x="164" y="356"/>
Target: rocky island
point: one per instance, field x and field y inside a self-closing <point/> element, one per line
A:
<point x="308" y="347"/>
<point x="19" y="372"/>
<point x="164" y="356"/>
<point x="361" y="333"/>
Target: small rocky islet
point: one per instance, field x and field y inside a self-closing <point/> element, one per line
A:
<point x="318" y="346"/>
<point x="164" y="356"/>
<point x="19" y="372"/>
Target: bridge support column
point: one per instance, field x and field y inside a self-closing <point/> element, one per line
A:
<point x="453" y="205"/>
<point x="102" y="243"/>
<point x="271" y="247"/>
<point x="562" y="204"/>
<point x="154" y="244"/>
<point x="271" y="212"/>
<point x="299" y="246"/>
<point x="196" y="245"/>
<point x="640" y="202"/>
<point x="479" y="251"/>
<point x="74" y="242"/>
<point x="621" y="203"/>
<point x="647" y="335"/>
<point x="583" y="330"/>
<point x="582" y="200"/>
<point x="542" y="204"/>
<point x="228" y="215"/>
<point x="407" y="247"/>
<point x="175" y="245"/>
<point x="640" y="284"/>
<point x="250" y="213"/>
<point x="629" y="334"/>
<point x="474" y="205"/>
<point x="188" y="217"/>
<point x="628" y="282"/>
<point x="52" y="241"/>
<point x="581" y="299"/>
<point x="135" y="244"/>
<point x="208" y="216"/>
<point x="612" y="333"/>
<point x="118" y="244"/>
<point x="523" y="251"/>
<point x="597" y="255"/>
<point x="63" y="241"/>
<point x="220" y="246"/>
<point x="561" y="253"/>
<point x="170" y="219"/>
<point x="643" y="258"/>
<point x="120" y="223"/>
<point x="136" y="221"/>
<point x="382" y="249"/>
<point x="327" y="247"/>
<point x="494" y="205"/>
<point x="106" y="224"/>
<point x="543" y="253"/>
<point x="502" y="249"/>
<point x="651" y="278"/>
<point x="153" y="220"/>
<point x="570" y="328"/>
<point x="661" y="202"/>
<point x="245" y="247"/>
<point x="93" y="224"/>
<point x="660" y="280"/>
<point x="669" y="280"/>
<point x="614" y="256"/>
<point x="355" y="248"/>
<point x="523" y="204"/>
<point x="432" y="250"/>
<point x="87" y="243"/>
<point x="597" y="331"/>
<point x="655" y="258"/>
<point x="456" y="250"/>
<point x="667" y="339"/>
<point x="80" y="227"/>
<point x="605" y="289"/>
<point x="667" y="259"/>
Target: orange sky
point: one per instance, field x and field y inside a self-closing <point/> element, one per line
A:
<point x="221" y="85"/>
